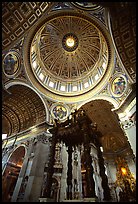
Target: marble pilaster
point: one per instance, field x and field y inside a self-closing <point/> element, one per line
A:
<point x="22" y="173"/>
<point x="35" y="180"/>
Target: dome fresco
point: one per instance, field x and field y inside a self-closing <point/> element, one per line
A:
<point x="69" y="55"/>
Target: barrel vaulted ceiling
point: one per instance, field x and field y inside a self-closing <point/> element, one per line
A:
<point x="113" y="140"/>
<point x="22" y="108"/>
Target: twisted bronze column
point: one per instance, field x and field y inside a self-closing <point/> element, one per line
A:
<point x="106" y="189"/>
<point x="69" y="174"/>
<point x="89" y="168"/>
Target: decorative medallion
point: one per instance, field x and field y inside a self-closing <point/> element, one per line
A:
<point x="59" y="111"/>
<point x="11" y="64"/>
<point x="86" y="5"/>
<point x="118" y="85"/>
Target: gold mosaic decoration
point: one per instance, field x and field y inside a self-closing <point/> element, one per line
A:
<point x="69" y="55"/>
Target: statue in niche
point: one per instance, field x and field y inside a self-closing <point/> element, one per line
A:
<point x="118" y="191"/>
<point x="57" y="152"/>
<point x="76" y="196"/>
<point x="75" y="158"/>
<point x="23" y="187"/>
<point x="54" y="189"/>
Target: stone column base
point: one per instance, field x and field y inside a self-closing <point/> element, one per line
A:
<point x="74" y="200"/>
<point x="89" y="199"/>
<point x="82" y="200"/>
<point x="46" y="200"/>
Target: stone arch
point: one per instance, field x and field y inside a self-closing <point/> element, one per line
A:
<point x="16" y="148"/>
<point x="24" y="108"/>
<point x="19" y="82"/>
<point x="113" y="101"/>
<point x="11" y="172"/>
<point x="102" y="114"/>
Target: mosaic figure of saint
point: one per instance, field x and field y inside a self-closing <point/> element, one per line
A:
<point x="119" y="85"/>
<point x="59" y="112"/>
<point x="10" y="64"/>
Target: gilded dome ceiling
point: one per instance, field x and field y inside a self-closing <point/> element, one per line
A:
<point x="69" y="54"/>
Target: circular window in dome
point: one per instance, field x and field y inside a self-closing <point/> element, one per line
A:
<point x="70" y="42"/>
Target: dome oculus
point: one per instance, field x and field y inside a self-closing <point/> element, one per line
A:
<point x="70" y="42"/>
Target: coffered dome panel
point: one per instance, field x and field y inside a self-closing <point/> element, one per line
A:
<point x="63" y="59"/>
<point x="69" y="54"/>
